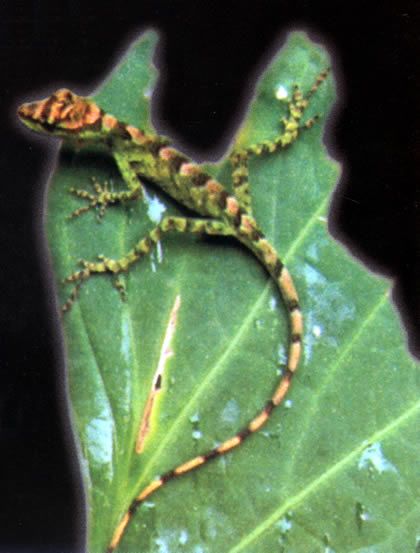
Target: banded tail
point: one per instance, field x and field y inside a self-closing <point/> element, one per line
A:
<point x="71" y="117"/>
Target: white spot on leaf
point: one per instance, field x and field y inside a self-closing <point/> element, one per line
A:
<point x="313" y="277"/>
<point x="156" y="255"/>
<point x="163" y="545"/>
<point x="230" y="413"/>
<point x="273" y="303"/>
<point x="125" y="338"/>
<point x="197" y="435"/>
<point x="316" y="331"/>
<point x="99" y="433"/>
<point x="281" y="92"/>
<point x="312" y="253"/>
<point x="330" y="307"/>
<point x="155" y="208"/>
<point x="195" y="418"/>
<point x="284" y="524"/>
<point x="281" y="355"/>
<point x="159" y="252"/>
<point x="183" y="538"/>
<point x="373" y="457"/>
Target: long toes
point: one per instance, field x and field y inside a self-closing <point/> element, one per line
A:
<point x="80" y="211"/>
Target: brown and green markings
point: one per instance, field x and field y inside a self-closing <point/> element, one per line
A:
<point x="146" y="156"/>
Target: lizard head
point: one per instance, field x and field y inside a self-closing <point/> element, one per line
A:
<point x="62" y="114"/>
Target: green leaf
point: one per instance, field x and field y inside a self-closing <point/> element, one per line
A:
<point x="335" y="469"/>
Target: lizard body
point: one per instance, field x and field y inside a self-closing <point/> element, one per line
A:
<point x="142" y="156"/>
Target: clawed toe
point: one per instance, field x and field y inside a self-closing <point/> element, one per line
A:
<point x="99" y="200"/>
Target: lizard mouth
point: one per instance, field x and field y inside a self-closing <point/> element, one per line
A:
<point x="26" y="113"/>
<point x="40" y="126"/>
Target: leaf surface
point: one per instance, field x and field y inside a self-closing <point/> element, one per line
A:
<point x="335" y="469"/>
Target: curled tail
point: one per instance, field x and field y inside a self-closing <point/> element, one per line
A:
<point x="270" y="259"/>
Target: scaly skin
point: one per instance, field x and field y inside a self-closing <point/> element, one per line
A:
<point x="147" y="156"/>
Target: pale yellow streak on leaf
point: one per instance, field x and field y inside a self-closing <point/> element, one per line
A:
<point x="165" y="353"/>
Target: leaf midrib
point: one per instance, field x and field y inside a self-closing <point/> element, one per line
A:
<point x="211" y="376"/>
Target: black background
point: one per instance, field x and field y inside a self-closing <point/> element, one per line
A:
<point x="210" y="51"/>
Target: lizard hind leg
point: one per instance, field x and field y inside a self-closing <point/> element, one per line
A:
<point x="240" y="178"/>
<point x="105" y="265"/>
<point x="298" y="105"/>
<point x="292" y="127"/>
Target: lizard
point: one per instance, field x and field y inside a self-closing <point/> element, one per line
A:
<point x="146" y="156"/>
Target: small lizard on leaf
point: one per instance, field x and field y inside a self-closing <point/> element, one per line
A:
<point x="143" y="156"/>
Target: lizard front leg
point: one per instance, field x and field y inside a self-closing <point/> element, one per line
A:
<point x="143" y="247"/>
<point x="102" y="198"/>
